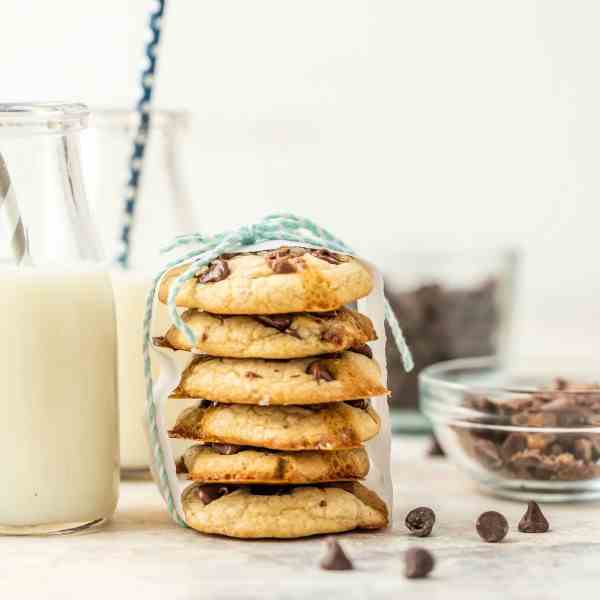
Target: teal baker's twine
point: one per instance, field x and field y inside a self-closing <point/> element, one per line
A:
<point x="208" y="248"/>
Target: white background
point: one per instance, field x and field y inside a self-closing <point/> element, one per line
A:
<point x="395" y="123"/>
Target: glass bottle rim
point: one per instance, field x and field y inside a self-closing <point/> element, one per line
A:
<point x="50" y="118"/>
<point x="127" y="119"/>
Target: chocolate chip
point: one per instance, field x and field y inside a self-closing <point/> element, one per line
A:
<point x="253" y="375"/>
<point x="418" y="563"/>
<point x="335" y="558"/>
<point x="210" y="493"/>
<point x="227" y="449"/>
<point x="328" y="256"/>
<point x="362" y="404"/>
<point x="319" y="371"/>
<point x="285" y="260"/>
<point x="435" y="449"/>
<point x="161" y="342"/>
<point x="326" y="314"/>
<point x="279" y="322"/>
<point x="420" y="521"/>
<point x="492" y="526"/>
<point x="488" y="453"/>
<point x="332" y="336"/>
<point x="533" y="520"/>
<point x="217" y="271"/>
<point x="364" y="349"/>
<point x="180" y="466"/>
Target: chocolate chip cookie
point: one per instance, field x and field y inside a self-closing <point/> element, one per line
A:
<point x="294" y="335"/>
<point x="226" y="463"/>
<point x="315" y="380"/>
<point x="333" y="426"/>
<point x="273" y="282"/>
<point x="274" y="512"/>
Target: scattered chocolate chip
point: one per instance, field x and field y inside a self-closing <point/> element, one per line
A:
<point x="210" y="493"/>
<point x="319" y="371"/>
<point x="285" y="260"/>
<point x="253" y="375"/>
<point x="217" y="271"/>
<point x="362" y="404"/>
<point x="279" y="322"/>
<point x="488" y="453"/>
<point x="435" y="448"/>
<point x="492" y="526"/>
<point x="533" y="520"/>
<point x="420" y="521"/>
<point x="227" y="449"/>
<point x="335" y="558"/>
<point x="418" y="563"/>
<point x="364" y="349"/>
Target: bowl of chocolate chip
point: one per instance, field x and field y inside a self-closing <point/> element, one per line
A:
<point x="524" y="429"/>
<point x="450" y="305"/>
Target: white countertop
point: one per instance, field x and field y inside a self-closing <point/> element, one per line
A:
<point x="142" y="554"/>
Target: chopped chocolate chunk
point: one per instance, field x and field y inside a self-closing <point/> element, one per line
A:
<point x="488" y="453"/>
<point x="533" y="520"/>
<point x="492" y="526"/>
<point x="319" y="371"/>
<point x="335" y="558"/>
<point x="279" y="322"/>
<point x="210" y="493"/>
<point x="253" y="375"/>
<point x="363" y="349"/>
<point x="418" y="563"/>
<point x="217" y="271"/>
<point x="583" y="449"/>
<point x="362" y="404"/>
<point x="435" y="449"/>
<point x="420" y="521"/>
<point x="227" y="449"/>
<point x="515" y="442"/>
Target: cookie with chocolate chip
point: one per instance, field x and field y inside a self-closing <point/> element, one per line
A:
<point x="294" y="335"/>
<point x="275" y="512"/>
<point x="327" y="378"/>
<point x="244" y="465"/>
<point x="272" y="282"/>
<point x="333" y="426"/>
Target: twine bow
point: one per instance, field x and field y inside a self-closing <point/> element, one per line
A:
<point x="204" y="249"/>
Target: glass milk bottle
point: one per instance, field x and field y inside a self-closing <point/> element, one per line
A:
<point x="59" y="427"/>
<point x="163" y="211"/>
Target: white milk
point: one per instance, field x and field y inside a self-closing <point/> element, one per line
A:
<point x="131" y="289"/>
<point x="59" y="426"/>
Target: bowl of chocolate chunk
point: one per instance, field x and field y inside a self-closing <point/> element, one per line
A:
<point x="450" y="305"/>
<point x="523" y="430"/>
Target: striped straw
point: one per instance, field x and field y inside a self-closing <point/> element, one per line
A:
<point x="12" y="218"/>
<point x="139" y="147"/>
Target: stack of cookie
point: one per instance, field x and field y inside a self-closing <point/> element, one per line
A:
<point x="284" y="374"/>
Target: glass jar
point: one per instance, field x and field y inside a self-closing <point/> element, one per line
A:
<point x="59" y="437"/>
<point x="163" y="211"/>
<point x="450" y="305"/>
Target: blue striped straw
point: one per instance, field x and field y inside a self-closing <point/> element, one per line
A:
<point x="139" y="147"/>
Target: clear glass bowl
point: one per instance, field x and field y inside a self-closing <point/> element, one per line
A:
<point x="528" y="430"/>
<point x="454" y="304"/>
